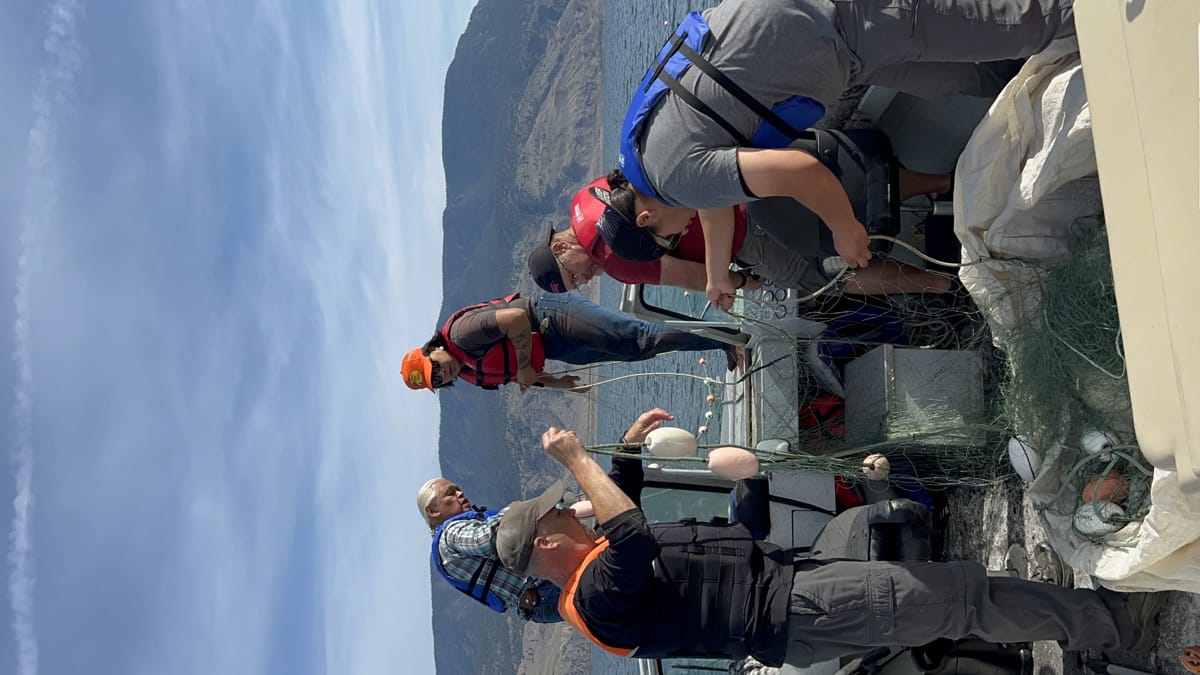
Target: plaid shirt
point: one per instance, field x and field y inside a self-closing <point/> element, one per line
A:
<point x="465" y="545"/>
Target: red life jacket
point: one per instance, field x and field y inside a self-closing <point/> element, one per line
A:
<point x="498" y="365"/>
<point x="586" y="209"/>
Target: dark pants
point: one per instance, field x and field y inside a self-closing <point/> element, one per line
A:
<point x="934" y="48"/>
<point x="575" y="330"/>
<point x="845" y="608"/>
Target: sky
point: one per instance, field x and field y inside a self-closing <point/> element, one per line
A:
<point x="220" y="229"/>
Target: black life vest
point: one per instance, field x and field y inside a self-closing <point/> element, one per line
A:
<point x="711" y="581"/>
<point x="713" y="573"/>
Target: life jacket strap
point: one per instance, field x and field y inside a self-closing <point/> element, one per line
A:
<point x="740" y="94"/>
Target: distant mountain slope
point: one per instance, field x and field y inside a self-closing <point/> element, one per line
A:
<point x="520" y="134"/>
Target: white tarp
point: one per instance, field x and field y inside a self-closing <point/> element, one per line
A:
<point x="1027" y="174"/>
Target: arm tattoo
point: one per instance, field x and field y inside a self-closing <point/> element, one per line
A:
<point x="523" y="345"/>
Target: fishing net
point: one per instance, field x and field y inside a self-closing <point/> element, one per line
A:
<point x="1060" y="377"/>
<point x="930" y="445"/>
<point x="1066" y="391"/>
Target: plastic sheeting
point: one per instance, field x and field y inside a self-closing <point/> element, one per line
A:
<point x="1026" y="176"/>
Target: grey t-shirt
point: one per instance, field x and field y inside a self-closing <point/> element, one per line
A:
<point x="774" y="49"/>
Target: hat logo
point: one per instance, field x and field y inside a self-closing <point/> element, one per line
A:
<point x="416" y="379"/>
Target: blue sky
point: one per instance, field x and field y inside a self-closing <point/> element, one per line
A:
<point x="221" y="229"/>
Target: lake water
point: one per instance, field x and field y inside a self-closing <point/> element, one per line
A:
<point x="633" y="32"/>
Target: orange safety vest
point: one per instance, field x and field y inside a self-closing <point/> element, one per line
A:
<point x="566" y="601"/>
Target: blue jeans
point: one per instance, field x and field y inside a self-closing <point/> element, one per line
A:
<point x="578" y="331"/>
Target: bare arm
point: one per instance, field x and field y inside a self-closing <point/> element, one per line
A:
<point x="608" y="500"/>
<point x="717" y="225"/>
<point x="514" y="323"/>
<point x="792" y="173"/>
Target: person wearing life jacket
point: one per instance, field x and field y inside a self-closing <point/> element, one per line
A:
<point x="509" y="340"/>
<point x="464" y="554"/>
<point x="605" y="237"/>
<point x="712" y="121"/>
<point x="463" y="549"/>
<point x="710" y="590"/>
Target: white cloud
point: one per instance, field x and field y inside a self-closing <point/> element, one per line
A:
<point x="51" y="102"/>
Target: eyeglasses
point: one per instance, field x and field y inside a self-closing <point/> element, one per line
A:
<point x="577" y="280"/>
<point x="435" y="373"/>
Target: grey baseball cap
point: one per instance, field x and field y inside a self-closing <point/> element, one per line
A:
<point x="518" y="526"/>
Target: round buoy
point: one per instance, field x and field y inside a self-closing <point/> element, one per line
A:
<point x="1095" y="518"/>
<point x="710" y="398"/>
<point x="732" y="463"/>
<point x="1113" y="488"/>
<point x="1025" y="459"/>
<point x="708" y="414"/>
<point x="1096" y="442"/>
<point x="876" y="467"/>
<point x="670" y="442"/>
<point x="702" y="361"/>
<point x="703" y="429"/>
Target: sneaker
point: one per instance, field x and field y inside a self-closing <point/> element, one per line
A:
<point x="1016" y="563"/>
<point x="1047" y="566"/>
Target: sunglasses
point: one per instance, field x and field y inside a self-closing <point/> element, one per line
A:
<point x="435" y="373"/>
<point x="577" y="280"/>
<point x="666" y="242"/>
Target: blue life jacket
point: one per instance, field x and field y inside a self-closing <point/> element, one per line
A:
<point x="781" y="124"/>
<point x="480" y="586"/>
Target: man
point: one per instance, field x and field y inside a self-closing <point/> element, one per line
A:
<point x="709" y="590"/>
<point x="464" y="542"/>
<point x="493" y="343"/>
<point x="711" y="127"/>
<point x="464" y="554"/>
<point x="606" y="235"/>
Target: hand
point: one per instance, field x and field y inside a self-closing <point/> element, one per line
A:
<point x="527" y="376"/>
<point x="720" y="293"/>
<point x="852" y="244"/>
<point x="563" y="382"/>
<point x="564" y="446"/>
<point x="645" y="423"/>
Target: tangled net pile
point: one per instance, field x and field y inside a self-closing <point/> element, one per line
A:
<point x="1067" y="377"/>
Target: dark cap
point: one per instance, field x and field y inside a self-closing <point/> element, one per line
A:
<point x="626" y="239"/>
<point x="544" y="268"/>
<point x="518" y="526"/>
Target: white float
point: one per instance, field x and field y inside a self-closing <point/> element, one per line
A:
<point x="1092" y="518"/>
<point x="1025" y="459"/>
<point x="732" y="463"/>
<point x="670" y="442"/>
<point x="876" y="467"/>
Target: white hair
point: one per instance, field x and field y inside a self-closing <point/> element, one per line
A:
<point x="425" y="497"/>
